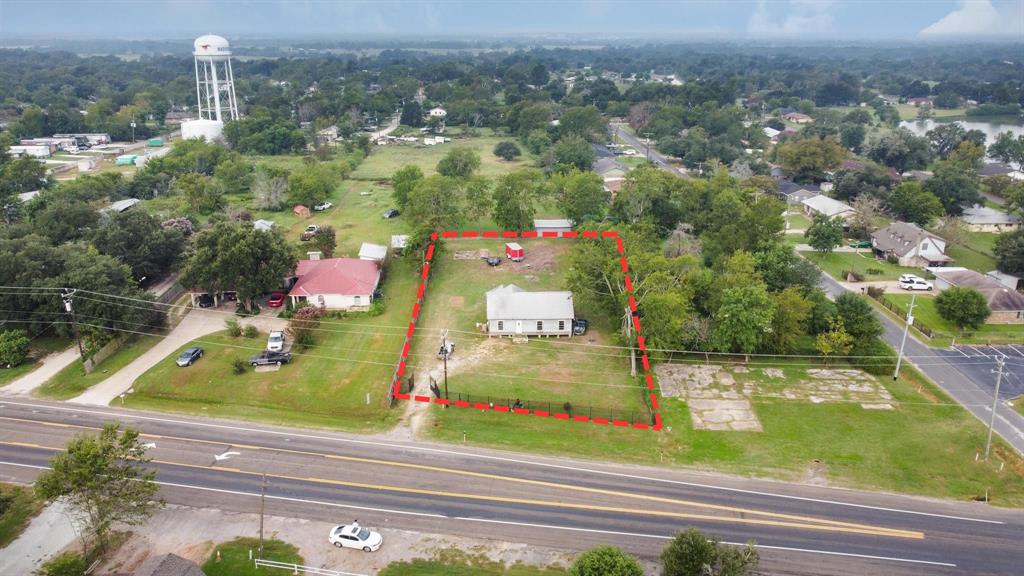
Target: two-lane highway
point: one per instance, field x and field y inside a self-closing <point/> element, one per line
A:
<point x="540" y="501"/>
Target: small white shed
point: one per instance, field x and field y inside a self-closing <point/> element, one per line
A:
<point x="373" y="252"/>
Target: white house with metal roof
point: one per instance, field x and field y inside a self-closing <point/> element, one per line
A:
<point x="830" y="207"/>
<point x="552" y="225"/>
<point x="512" y="311"/>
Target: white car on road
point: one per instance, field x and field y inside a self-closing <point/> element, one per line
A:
<point x="916" y="283"/>
<point x="355" y="536"/>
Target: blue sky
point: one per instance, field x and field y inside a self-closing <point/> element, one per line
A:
<point x="682" y="19"/>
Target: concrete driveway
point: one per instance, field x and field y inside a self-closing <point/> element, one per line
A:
<point x="51" y="365"/>
<point x="196" y="324"/>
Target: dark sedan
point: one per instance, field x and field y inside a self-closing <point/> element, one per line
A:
<point x="189" y="356"/>
<point x="267" y="358"/>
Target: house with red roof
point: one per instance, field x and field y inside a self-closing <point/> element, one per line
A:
<point x="335" y="283"/>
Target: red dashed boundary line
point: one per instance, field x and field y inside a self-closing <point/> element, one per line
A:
<point x="421" y="291"/>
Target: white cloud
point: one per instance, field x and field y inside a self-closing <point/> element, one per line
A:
<point x="800" y="18"/>
<point x="975" y="18"/>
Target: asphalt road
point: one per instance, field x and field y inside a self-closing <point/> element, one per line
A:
<point x="979" y="363"/>
<point x="549" y="502"/>
<point x="969" y="381"/>
<point x="659" y="159"/>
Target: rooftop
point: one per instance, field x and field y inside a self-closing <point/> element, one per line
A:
<point x="827" y="206"/>
<point x="901" y="237"/>
<point x="345" y="276"/>
<point x="985" y="215"/>
<point x="999" y="297"/>
<point x="510" y="302"/>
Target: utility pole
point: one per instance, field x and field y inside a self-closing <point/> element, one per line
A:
<point x="995" y="404"/>
<point x="444" y="356"/>
<point x="66" y="295"/>
<point x="903" y="342"/>
<point x="263" y="505"/>
<point x="647" y="144"/>
<point x="629" y="338"/>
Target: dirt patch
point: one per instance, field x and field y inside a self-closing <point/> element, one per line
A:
<point x="816" y="474"/>
<point x="539" y="257"/>
<point x="193" y="533"/>
<point x="457" y="301"/>
<point x="466" y="254"/>
<point x="719" y="397"/>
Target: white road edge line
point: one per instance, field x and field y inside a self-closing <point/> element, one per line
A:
<point x="406" y="447"/>
<point x="660" y="537"/>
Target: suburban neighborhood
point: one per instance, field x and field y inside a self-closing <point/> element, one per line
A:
<point x="377" y="293"/>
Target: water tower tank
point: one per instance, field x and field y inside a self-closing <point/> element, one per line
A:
<point x="211" y="47"/>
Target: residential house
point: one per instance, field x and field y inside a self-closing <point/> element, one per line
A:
<point x="772" y="133"/>
<point x="609" y="168"/>
<point x="794" y="193"/>
<point x="335" y="283"/>
<point x="798" y="118"/>
<point x="1009" y="280"/>
<point x="1007" y="305"/>
<point x="991" y="169"/>
<point x="985" y="219"/>
<point x="512" y="311"/>
<point x="910" y="245"/>
<point x="437" y="112"/>
<point x="168" y="565"/>
<point x="373" y="252"/>
<point x="830" y="207"/>
<point x="263" y="225"/>
<point x="28" y="196"/>
<point x="613" y="185"/>
<point x="923" y="101"/>
<point x="556" y="225"/>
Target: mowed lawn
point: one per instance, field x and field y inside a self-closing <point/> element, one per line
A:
<point x="835" y="263"/>
<point x="325" y="386"/>
<point x="384" y="161"/>
<point x="72" y="380"/>
<point x="976" y="251"/>
<point x="543" y="373"/>
<point x="927" y="314"/>
<point x="925" y="446"/>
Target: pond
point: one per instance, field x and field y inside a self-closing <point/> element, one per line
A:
<point x="991" y="126"/>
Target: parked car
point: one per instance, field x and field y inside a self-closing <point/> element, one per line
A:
<point x="917" y="284"/>
<point x="322" y="207"/>
<point x="909" y="277"/>
<point x="275" y="342"/>
<point x="391" y="213"/>
<point x="355" y="536"/>
<point x="267" y="358"/>
<point x="860" y="244"/>
<point x="309" y="232"/>
<point x="189" y="356"/>
<point x="205" y="301"/>
<point x="579" y="327"/>
<point x="493" y="261"/>
<point x="276" y="300"/>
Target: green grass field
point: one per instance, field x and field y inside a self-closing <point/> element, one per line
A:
<point x="549" y="371"/>
<point x="945" y="331"/>
<point x="39" y="348"/>
<point x="73" y="380"/>
<point x="835" y="263"/>
<point x="968" y="258"/>
<point x="384" y="161"/>
<point x="325" y="386"/>
<point x="925" y="446"/>
<point x="234" y="557"/>
<point x="909" y="112"/>
<point x="798" y="220"/>
<point x="21" y="505"/>
<point x="452" y="562"/>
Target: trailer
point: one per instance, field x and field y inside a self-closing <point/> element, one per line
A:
<point x="514" y="252"/>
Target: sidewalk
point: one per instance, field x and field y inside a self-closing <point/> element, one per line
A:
<point x="51" y="365"/>
<point x="198" y="323"/>
<point x="46" y="535"/>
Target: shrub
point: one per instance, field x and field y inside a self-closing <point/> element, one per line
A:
<point x="234" y="328"/>
<point x="882" y="361"/>
<point x="250" y="331"/>
<point x="567" y="407"/>
<point x="303" y="326"/>
<point x="606" y="561"/>
<point x="876" y="292"/>
<point x="507" y="150"/>
<point x="892" y="259"/>
<point x="376" y="308"/>
<point x="874" y="272"/>
<point x="239" y="366"/>
<point x="13" y="347"/>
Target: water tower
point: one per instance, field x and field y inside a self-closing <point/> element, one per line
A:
<point x="215" y="89"/>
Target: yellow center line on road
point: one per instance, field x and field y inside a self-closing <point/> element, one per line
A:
<point x="813" y="524"/>
<point x="496" y="477"/>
